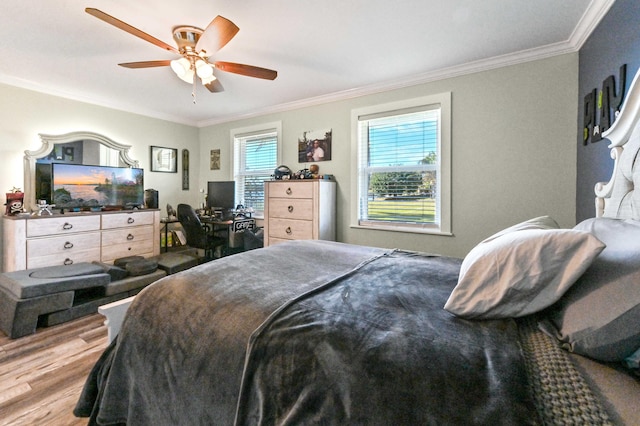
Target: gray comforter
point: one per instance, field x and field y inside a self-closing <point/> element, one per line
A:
<point x="309" y="333"/>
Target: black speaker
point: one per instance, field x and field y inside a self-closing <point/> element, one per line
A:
<point x="151" y="198"/>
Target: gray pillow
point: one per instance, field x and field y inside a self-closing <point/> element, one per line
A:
<point x="521" y="270"/>
<point x="599" y="316"/>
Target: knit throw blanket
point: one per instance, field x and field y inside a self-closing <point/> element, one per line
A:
<point x="561" y="394"/>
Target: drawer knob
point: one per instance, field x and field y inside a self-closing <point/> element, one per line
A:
<point x="131" y="220"/>
<point x="68" y="261"/>
<point x="289" y="191"/>
<point x="288" y="230"/>
<point x="130" y="237"/>
<point x="68" y="245"/>
<point x="290" y="208"/>
<point x="67" y="225"/>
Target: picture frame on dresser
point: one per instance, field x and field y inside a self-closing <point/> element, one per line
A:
<point x="164" y="159"/>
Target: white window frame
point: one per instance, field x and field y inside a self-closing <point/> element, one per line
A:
<point x="244" y="132"/>
<point x="443" y="205"/>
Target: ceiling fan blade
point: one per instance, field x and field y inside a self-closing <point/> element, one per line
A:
<point x="248" y="70"/>
<point x="215" y="86"/>
<point x="217" y="34"/>
<point x="128" y="28"/>
<point x="146" y="64"/>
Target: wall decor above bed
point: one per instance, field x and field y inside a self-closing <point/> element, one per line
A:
<point x="601" y="108"/>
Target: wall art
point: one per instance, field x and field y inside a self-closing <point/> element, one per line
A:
<point x="215" y="159"/>
<point x="164" y="159"/>
<point x="314" y="146"/>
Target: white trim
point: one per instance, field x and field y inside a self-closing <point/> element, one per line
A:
<point x="256" y="129"/>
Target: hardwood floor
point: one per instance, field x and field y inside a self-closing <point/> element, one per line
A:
<point x="42" y="375"/>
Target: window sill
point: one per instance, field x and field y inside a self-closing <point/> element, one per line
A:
<point x="406" y="229"/>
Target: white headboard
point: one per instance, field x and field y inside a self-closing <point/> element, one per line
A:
<point x="620" y="197"/>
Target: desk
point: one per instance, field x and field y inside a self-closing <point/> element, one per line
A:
<point x="232" y="230"/>
<point x="217" y="227"/>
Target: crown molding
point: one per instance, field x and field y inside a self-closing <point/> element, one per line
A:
<point x="588" y="22"/>
<point x="428" y="77"/>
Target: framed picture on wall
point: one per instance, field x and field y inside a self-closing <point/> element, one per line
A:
<point x="314" y="146"/>
<point x="185" y="169"/>
<point x="215" y="159"/>
<point x="164" y="159"/>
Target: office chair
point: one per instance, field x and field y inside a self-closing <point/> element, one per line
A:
<point x="198" y="235"/>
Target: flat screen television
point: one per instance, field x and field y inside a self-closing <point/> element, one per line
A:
<point x="221" y="195"/>
<point x="79" y="186"/>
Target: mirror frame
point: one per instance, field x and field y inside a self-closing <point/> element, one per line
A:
<point x="48" y="144"/>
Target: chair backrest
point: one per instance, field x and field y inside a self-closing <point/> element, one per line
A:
<point x="196" y="234"/>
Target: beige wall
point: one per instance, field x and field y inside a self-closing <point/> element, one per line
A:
<point x="513" y="150"/>
<point x="513" y="147"/>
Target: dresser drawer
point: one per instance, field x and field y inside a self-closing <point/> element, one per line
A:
<point x="291" y="229"/>
<point x="127" y="235"/>
<point x="134" y="241"/>
<point x="62" y="225"/>
<point x="295" y="208"/>
<point x="291" y="189"/>
<point x="123" y="220"/>
<point x="65" y="245"/>
<point x="64" y="259"/>
<point x="134" y="248"/>
<point x="273" y="241"/>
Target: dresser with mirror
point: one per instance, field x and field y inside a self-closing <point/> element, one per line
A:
<point x="58" y="236"/>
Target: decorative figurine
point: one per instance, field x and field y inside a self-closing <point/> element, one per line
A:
<point x="15" y="202"/>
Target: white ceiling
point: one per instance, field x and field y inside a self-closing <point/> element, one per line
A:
<point x="322" y="49"/>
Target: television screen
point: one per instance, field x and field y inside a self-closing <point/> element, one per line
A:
<point x="221" y="195"/>
<point x="76" y="185"/>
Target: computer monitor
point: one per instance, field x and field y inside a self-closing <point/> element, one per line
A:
<point x="221" y="195"/>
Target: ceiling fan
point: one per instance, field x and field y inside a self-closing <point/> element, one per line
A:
<point x="195" y="46"/>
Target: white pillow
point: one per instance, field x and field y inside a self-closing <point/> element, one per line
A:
<point x="521" y="270"/>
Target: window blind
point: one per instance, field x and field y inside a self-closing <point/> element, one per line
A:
<point x="399" y="167"/>
<point x="255" y="158"/>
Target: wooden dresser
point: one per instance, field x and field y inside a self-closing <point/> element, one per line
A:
<point x="33" y="242"/>
<point x="299" y="210"/>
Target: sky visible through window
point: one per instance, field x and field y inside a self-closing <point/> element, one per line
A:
<point x="406" y="143"/>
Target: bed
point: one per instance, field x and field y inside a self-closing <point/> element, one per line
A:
<point x="536" y="325"/>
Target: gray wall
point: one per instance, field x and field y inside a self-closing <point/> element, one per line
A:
<point x="616" y="41"/>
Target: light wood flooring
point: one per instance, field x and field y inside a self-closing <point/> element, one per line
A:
<point x="42" y="375"/>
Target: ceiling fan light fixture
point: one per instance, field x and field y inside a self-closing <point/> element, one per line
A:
<point x="207" y="80"/>
<point x="183" y="70"/>
<point x="203" y="69"/>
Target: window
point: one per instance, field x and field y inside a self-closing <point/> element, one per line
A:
<point x="403" y="165"/>
<point x="255" y="153"/>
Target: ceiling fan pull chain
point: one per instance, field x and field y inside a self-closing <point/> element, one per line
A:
<point x="193" y="91"/>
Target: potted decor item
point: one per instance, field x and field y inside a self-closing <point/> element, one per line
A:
<point x="15" y="202"/>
